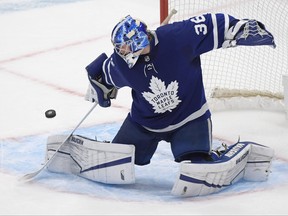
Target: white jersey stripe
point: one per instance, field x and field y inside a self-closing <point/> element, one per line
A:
<point x="215" y="30"/>
<point x="226" y="19"/>
<point x="107" y="73"/>
<point x="191" y="117"/>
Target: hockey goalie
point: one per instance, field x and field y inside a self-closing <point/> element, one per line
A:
<point x="163" y="69"/>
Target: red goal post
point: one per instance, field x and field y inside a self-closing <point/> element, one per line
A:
<point x="243" y="73"/>
<point x="163" y="10"/>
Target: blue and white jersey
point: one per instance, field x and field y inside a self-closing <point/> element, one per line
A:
<point x="167" y="86"/>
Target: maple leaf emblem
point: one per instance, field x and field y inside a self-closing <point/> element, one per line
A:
<point x="161" y="98"/>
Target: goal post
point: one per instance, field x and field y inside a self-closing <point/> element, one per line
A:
<point x="163" y="10"/>
<point x="242" y="72"/>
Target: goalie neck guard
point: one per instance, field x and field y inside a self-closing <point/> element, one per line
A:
<point x="129" y="37"/>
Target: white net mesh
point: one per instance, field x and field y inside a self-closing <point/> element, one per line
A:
<point x="254" y="69"/>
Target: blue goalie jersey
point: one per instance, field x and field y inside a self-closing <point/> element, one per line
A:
<point x="167" y="86"/>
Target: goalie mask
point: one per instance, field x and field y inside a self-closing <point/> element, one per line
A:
<point x="129" y="37"/>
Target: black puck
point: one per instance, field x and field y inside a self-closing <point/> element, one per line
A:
<point x="50" y="113"/>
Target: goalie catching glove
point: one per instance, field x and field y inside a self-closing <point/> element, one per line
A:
<point x="248" y="33"/>
<point x="98" y="91"/>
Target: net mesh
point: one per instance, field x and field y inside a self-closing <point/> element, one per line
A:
<point x="248" y="69"/>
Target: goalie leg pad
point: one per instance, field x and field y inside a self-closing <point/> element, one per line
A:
<point x="203" y="178"/>
<point x="259" y="163"/>
<point x="101" y="162"/>
<point x="247" y="160"/>
<point x="61" y="161"/>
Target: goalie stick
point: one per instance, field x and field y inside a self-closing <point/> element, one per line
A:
<point x="30" y="176"/>
<point x="167" y="19"/>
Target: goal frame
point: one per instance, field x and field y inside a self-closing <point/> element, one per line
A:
<point x="164" y="6"/>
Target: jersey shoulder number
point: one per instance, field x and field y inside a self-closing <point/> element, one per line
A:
<point x="200" y="27"/>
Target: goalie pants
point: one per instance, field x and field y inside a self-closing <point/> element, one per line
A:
<point x="193" y="137"/>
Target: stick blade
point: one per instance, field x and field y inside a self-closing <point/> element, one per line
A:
<point x="29" y="176"/>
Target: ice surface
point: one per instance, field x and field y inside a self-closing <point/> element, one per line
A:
<point x="44" y="48"/>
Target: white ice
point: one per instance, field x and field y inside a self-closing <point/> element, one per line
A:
<point x="43" y="54"/>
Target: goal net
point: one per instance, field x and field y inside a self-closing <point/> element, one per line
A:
<point x="244" y="72"/>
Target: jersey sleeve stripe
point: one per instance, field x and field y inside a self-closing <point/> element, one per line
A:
<point x="215" y="30"/>
<point x="107" y="74"/>
<point x="226" y="19"/>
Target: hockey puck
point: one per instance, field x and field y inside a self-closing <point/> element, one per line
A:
<point x="50" y="113"/>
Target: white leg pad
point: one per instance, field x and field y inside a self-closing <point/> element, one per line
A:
<point x="61" y="161"/>
<point x="97" y="161"/>
<point x="102" y="162"/>
<point x="259" y="163"/>
<point x="246" y="160"/>
<point x="203" y="178"/>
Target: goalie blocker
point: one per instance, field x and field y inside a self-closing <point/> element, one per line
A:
<point x="114" y="164"/>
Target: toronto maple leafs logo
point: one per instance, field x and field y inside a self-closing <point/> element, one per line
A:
<point x="161" y="98"/>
